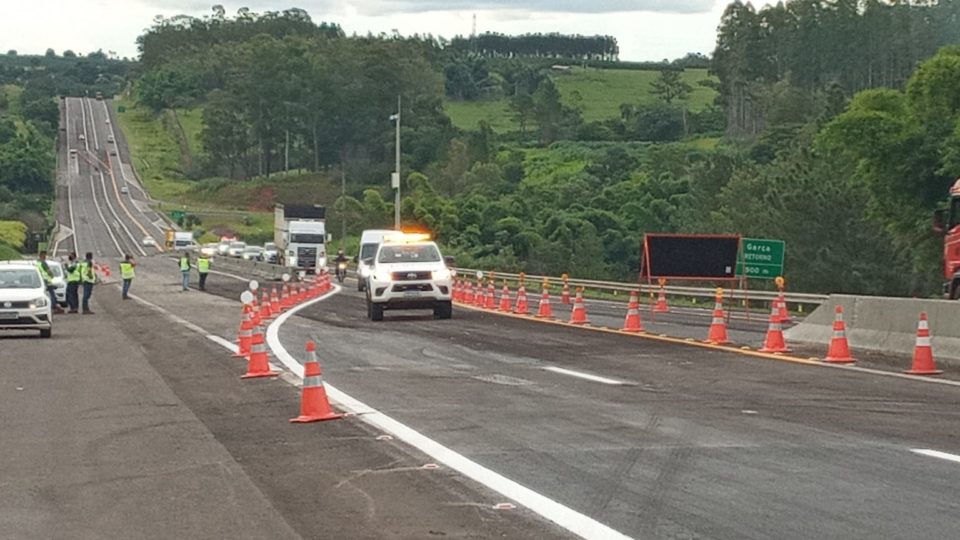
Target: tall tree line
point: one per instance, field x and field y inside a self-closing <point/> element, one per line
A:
<point x="812" y="44"/>
<point x="551" y="45"/>
<point x="300" y="95"/>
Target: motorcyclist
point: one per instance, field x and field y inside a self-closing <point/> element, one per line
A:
<point x="341" y="262"/>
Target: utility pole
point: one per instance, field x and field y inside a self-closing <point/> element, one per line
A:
<point x="395" y="180"/>
<point x="343" y="201"/>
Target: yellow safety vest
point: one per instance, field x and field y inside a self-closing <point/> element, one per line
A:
<point x="203" y="265"/>
<point x="47" y="278"/>
<point x="126" y="270"/>
<point x="73" y="276"/>
<point x="87" y="274"/>
<point x="184" y="264"/>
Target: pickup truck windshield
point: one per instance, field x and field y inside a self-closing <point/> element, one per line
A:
<point x="409" y="254"/>
<point x="306" y="238"/>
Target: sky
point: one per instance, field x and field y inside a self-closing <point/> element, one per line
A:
<point x="645" y="29"/>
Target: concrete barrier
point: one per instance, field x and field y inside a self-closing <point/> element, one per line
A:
<point x="254" y="269"/>
<point x="884" y="324"/>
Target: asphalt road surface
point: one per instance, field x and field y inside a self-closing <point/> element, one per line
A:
<point x="691" y="443"/>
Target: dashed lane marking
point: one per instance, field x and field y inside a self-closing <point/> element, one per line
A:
<point x="587" y="376"/>
<point x="937" y="454"/>
<point x="566" y="517"/>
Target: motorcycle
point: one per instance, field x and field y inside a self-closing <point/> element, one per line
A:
<point x="341" y="271"/>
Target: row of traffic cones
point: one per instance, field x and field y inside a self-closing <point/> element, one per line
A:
<point x="774" y="341"/>
<point x="251" y="344"/>
<point x="923" y="362"/>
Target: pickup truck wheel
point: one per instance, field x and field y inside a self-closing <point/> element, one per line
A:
<point x="360" y="285"/>
<point x="376" y="312"/>
<point x="443" y="310"/>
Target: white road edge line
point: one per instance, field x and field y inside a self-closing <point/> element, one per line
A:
<point x="936" y="453"/>
<point x="232" y="347"/>
<point x="587" y="376"/>
<point x="571" y="520"/>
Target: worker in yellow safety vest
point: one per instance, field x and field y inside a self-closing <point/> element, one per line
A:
<point x="203" y="268"/>
<point x="73" y="283"/>
<point x="126" y="274"/>
<point x="47" y="274"/>
<point x="185" y="270"/>
<point x="88" y="279"/>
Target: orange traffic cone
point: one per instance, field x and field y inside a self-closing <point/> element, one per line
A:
<point x="265" y="307"/>
<point x="774" y="342"/>
<point x="521" y="307"/>
<point x="544" y="311"/>
<point x="661" y="305"/>
<point x="258" y="364"/>
<point x="274" y="302"/>
<point x="782" y="313"/>
<point x="579" y="313"/>
<point x="718" y="326"/>
<point x="839" y="351"/>
<point x="244" y="335"/>
<point x="456" y="290"/>
<point x="565" y="294"/>
<point x="505" y="299"/>
<point x="468" y="297"/>
<point x="314" y="405"/>
<point x="491" y="300"/>
<point x="633" y="323"/>
<point x="923" y="353"/>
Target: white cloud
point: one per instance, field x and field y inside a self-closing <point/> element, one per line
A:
<point x="645" y="29"/>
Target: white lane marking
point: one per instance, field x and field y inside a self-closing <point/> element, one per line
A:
<point x="587" y="376"/>
<point x="937" y="454"/>
<point x="214" y="338"/>
<point x="232" y="347"/>
<point x="566" y="517"/>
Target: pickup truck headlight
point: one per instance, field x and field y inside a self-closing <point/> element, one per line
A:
<point x="38" y="302"/>
<point x="441" y="275"/>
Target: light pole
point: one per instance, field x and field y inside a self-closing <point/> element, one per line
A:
<point x="395" y="177"/>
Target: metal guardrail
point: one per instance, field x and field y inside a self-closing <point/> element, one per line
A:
<point x="613" y="286"/>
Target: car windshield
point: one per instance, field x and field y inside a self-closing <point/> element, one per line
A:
<point x="368" y="250"/>
<point x="409" y="253"/>
<point x="19" y="278"/>
<point x="237" y="245"/>
<point x="55" y="269"/>
<point x="269" y="245"/>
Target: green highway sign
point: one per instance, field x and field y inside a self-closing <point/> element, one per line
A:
<point x="762" y="259"/>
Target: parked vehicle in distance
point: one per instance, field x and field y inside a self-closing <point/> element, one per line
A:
<point x="183" y="241"/>
<point x="149" y="241"/>
<point x="224" y="246"/>
<point x="210" y="250"/>
<point x="109" y="138"/>
<point x="59" y="282"/>
<point x="24" y="302"/>
<point x="370" y="241"/>
<point x="252" y="253"/>
<point x="125" y="190"/>
<point x="236" y="249"/>
<point x="270" y="252"/>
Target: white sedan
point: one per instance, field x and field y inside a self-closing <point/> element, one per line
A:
<point x="149" y="241"/>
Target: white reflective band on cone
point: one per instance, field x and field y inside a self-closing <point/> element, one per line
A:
<point x="923" y="341"/>
<point x="312" y="382"/>
<point x="923" y="326"/>
<point x="838" y="334"/>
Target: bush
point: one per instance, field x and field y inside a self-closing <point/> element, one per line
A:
<point x="8" y="253"/>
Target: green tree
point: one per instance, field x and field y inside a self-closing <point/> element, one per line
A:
<point x="670" y="86"/>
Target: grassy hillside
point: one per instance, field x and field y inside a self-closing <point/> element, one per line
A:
<point x="598" y="93"/>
